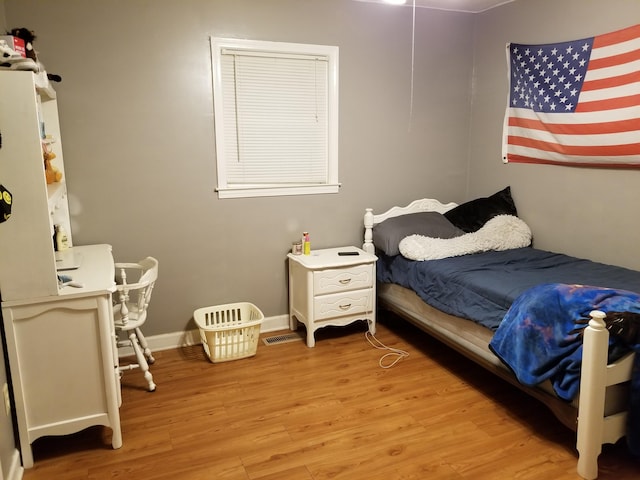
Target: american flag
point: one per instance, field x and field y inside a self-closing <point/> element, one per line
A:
<point x="575" y="103"/>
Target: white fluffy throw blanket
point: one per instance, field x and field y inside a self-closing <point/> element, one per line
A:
<point x="502" y="232"/>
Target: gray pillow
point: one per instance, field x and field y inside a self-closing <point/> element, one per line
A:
<point x="387" y="234"/>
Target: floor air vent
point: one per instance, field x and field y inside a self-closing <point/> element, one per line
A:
<point x="285" y="338"/>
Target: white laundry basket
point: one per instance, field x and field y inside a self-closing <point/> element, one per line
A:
<point x="229" y="332"/>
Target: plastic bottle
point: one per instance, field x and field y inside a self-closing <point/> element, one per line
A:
<point x="306" y="244"/>
<point x="62" y="242"/>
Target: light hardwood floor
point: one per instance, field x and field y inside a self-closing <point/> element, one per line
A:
<point x="329" y="412"/>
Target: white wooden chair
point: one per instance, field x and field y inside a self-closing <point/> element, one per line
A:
<point x="131" y="302"/>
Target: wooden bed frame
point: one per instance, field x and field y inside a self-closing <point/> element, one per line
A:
<point x="598" y="415"/>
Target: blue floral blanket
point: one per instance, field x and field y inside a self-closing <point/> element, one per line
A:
<point x="534" y="339"/>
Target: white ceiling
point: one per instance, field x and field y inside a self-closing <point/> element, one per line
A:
<point x="474" y="6"/>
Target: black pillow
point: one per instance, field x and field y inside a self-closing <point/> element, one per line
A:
<point x="472" y="215"/>
<point x="388" y="234"/>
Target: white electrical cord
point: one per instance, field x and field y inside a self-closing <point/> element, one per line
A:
<point x="399" y="354"/>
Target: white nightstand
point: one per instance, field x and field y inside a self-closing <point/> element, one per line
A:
<point x="329" y="289"/>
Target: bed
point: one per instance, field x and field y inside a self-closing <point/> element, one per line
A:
<point x="598" y="413"/>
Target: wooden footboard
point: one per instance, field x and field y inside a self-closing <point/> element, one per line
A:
<point x="594" y="426"/>
<point x="601" y="405"/>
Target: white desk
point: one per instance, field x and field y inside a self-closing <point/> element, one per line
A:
<point x="62" y="355"/>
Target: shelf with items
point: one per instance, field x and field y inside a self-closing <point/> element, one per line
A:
<point x="27" y="259"/>
<point x="54" y="174"/>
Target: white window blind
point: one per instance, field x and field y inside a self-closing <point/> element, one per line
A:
<point x="276" y="118"/>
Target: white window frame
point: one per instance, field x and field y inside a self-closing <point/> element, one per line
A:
<point x="227" y="189"/>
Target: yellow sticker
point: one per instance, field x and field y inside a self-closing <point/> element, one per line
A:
<point x="6" y="196"/>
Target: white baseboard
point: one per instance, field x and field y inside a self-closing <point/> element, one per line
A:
<point x="185" y="338"/>
<point x="15" y="470"/>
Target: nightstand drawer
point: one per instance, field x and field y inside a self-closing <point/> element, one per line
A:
<point x="339" y="304"/>
<point x="342" y="279"/>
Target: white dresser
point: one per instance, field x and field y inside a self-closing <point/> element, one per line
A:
<point x="327" y="288"/>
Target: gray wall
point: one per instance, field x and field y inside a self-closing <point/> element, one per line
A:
<point x="586" y="212"/>
<point x="138" y="134"/>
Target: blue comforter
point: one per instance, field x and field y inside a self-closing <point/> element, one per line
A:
<point x="535" y="339"/>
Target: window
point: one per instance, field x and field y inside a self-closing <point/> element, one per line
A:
<point x="276" y="118"/>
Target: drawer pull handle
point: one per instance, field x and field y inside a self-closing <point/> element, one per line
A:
<point x="345" y="281"/>
<point x="345" y="307"/>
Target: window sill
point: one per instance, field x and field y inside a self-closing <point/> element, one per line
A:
<point x="246" y="191"/>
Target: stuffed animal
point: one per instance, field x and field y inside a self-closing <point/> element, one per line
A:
<point x="51" y="173"/>
<point x="29" y="36"/>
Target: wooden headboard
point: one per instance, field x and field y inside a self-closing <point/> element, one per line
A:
<point x="422" y="205"/>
